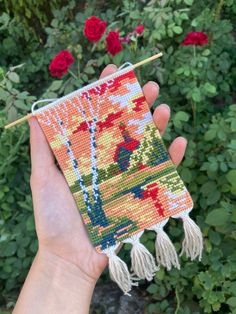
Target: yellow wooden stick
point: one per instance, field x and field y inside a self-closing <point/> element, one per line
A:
<point x="23" y="119"/>
<point x="31" y="115"/>
<point x="160" y="54"/>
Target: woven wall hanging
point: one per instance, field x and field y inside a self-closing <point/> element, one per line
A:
<point x="120" y="174"/>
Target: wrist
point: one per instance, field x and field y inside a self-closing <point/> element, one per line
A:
<point x="59" y="269"/>
<point x="55" y="286"/>
<point x="69" y="289"/>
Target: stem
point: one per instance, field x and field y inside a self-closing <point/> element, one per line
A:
<point x="194" y="53"/>
<point x="218" y="10"/>
<point x="194" y="110"/>
<point x="78" y="69"/>
<point x="177" y="301"/>
<point x="73" y="74"/>
<point x="94" y="46"/>
<point x="193" y="102"/>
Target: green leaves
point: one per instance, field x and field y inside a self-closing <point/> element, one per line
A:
<point x="210" y="134"/>
<point x="196" y="95"/>
<point x="179" y="118"/>
<point x="232" y="302"/>
<point x="197" y="82"/>
<point x="10" y="249"/>
<point x="177" y="29"/>
<point x="186" y="175"/>
<point x="231" y="177"/>
<point x="55" y="86"/>
<point x="152" y="288"/>
<point x="188" y="2"/>
<point x="209" y="88"/>
<point x="217" y="217"/>
<point x="14" y="77"/>
<point x="30" y="223"/>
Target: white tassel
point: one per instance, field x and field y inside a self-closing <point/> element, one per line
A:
<point x="118" y="270"/>
<point x="142" y="262"/>
<point x="192" y="244"/>
<point x="166" y="254"/>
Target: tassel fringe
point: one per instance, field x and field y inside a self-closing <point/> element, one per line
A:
<point x="118" y="271"/>
<point x="142" y="262"/>
<point x="166" y="254"/>
<point x="192" y="245"/>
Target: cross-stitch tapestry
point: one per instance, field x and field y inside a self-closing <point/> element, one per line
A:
<point x="114" y="160"/>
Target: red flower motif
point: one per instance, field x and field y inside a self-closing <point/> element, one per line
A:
<point x="94" y="28"/>
<point x="196" y="39"/>
<point x="60" y="63"/>
<point x="113" y="43"/>
<point x="139" y="29"/>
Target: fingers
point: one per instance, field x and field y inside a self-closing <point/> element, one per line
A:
<point x="161" y="117"/>
<point x="151" y="91"/>
<point x="109" y="69"/>
<point x="177" y="150"/>
<point x="41" y="154"/>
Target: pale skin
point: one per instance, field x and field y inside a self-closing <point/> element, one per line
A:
<point x="66" y="267"/>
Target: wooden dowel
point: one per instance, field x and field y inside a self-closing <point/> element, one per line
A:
<point x="135" y="66"/>
<point x="23" y="119"/>
<point x="160" y="54"/>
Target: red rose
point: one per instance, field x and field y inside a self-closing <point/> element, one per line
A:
<point x="60" y="63"/>
<point x="196" y="39"/>
<point x="139" y="29"/>
<point x="94" y="28"/>
<point x="113" y="43"/>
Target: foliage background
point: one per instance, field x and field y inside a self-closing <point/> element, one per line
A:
<point x="197" y="85"/>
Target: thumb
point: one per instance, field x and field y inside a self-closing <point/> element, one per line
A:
<point x="41" y="155"/>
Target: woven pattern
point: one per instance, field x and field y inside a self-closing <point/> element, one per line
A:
<point x="113" y="159"/>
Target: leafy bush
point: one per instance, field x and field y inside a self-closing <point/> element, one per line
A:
<point x="197" y="82"/>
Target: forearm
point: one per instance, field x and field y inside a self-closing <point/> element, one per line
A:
<point x="54" y="285"/>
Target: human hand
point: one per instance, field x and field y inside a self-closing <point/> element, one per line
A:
<point x="60" y="229"/>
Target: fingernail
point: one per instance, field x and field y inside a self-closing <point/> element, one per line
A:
<point x="165" y="106"/>
<point x="154" y="84"/>
<point x="111" y="65"/>
<point x="184" y="139"/>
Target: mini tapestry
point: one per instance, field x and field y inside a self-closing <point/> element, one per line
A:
<point x="119" y="171"/>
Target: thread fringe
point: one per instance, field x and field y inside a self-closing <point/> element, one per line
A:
<point x="118" y="271"/>
<point x="166" y="254"/>
<point x="142" y="262"/>
<point x="192" y="245"/>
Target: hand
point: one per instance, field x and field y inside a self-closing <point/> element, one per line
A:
<point x="60" y="230"/>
